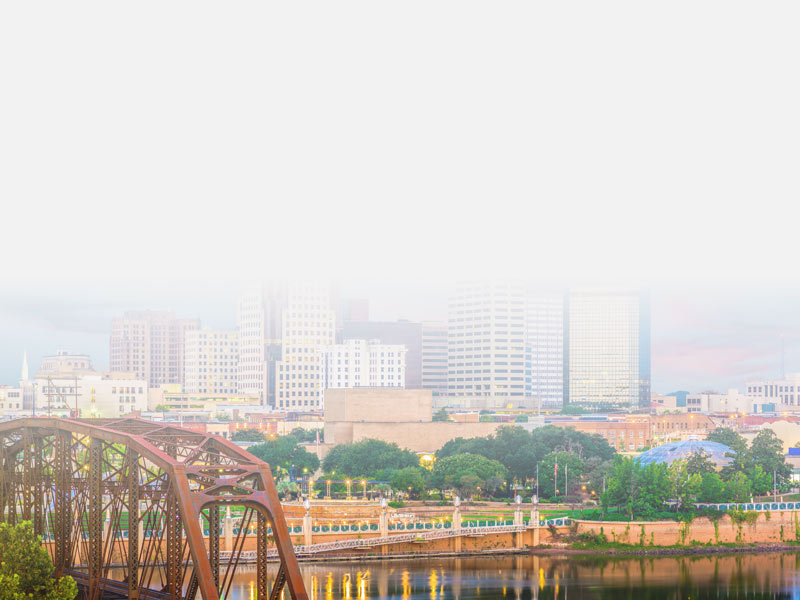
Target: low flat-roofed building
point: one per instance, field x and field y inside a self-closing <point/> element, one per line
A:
<point x="403" y="417"/>
<point x="680" y="426"/>
<point x="624" y="433"/>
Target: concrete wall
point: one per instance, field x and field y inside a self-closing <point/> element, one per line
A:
<point x="418" y="437"/>
<point x="779" y="526"/>
<point x="382" y="405"/>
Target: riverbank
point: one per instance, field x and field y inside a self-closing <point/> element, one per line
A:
<point x="694" y="550"/>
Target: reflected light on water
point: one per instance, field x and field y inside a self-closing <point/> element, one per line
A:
<point x="754" y="576"/>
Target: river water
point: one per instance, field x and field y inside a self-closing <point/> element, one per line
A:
<point x="768" y="575"/>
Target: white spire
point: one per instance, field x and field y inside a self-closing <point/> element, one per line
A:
<point x="25" y="366"/>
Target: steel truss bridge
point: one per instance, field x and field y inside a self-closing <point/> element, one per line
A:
<point x="156" y="484"/>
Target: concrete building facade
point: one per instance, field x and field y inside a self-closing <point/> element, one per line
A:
<point x="785" y="390"/>
<point x="259" y="324"/>
<point x="308" y="325"/>
<point x="363" y="363"/>
<point x="150" y="345"/>
<point x="486" y="341"/>
<point x="405" y="333"/>
<point x="211" y="362"/>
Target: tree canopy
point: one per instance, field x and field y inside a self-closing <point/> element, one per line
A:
<point x="25" y="567"/>
<point x="248" y="435"/>
<point x="467" y="474"/>
<point x="519" y="451"/>
<point x="367" y="459"/>
<point x="284" y="452"/>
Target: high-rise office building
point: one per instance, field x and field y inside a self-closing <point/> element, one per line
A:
<point x="211" y="360"/>
<point x="434" y="358"/>
<point x="486" y="341"/>
<point x="363" y="363"/>
<point x="150" y="345"/>
<point x="607" y="350"/>
<point x="544" y="347"/>
<point x="403" y="333"/>
<point x="308" y="325"/>
<point x="259" y="324"/>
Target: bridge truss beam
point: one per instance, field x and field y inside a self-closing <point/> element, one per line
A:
<point x="122" y="504"/>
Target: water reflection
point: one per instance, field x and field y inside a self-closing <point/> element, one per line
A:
<point x="775" y="575"/>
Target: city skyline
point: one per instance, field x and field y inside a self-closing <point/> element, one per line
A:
<point x="703" y="337"/>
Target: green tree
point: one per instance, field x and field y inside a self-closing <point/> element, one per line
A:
<point x="441" y="415"/>
<point x="365" y="459"/>
<point x="520" y="451"/>
<point x="712" y="489"/>
<point x="698" y="463"/>
<point x="304" y="436"/>
<point x="25" y="567"/>
<point x="641" y="489"/>
<point x="684" y="486"/>
<point x="466" y="473"/>
<point x="766" y="451"/>
<point x="248" y="435"/>
<point x="760" y="480"/>
<point x="596" y="470"/>
<point x="737" y="488"/>
<point x="570" y="470"/>
<point x="287" y="488"/>
<point x="573" y="410"/>
<point x="413" y="480"/>
<point x="738" y="446"/>
<point x="284" y="452"/>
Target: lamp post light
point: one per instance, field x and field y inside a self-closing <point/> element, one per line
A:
<point x="349" y="484"/>
<point x="328" y="489"/>
<point x="364" y="488"/>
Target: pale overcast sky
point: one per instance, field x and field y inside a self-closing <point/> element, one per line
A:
<point x="705" y="336"/>
<point x="415" y="141"/>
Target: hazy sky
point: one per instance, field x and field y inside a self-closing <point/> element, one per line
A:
<point x="147" y="144"/>
<point x="705" y="336"/>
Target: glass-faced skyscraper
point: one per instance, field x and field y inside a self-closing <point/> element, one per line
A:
<point x="607" y="349"/>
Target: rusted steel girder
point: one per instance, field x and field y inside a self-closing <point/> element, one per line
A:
<point x="160" y="478"/>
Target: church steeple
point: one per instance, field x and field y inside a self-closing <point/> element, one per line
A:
<point x="25" y="366"/>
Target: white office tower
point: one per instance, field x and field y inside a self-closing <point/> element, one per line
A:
<point x="486" y="342"/>
<point x="363" y="363"/>
<point x="211" y="360"/>
<point x="608" y="349"/>
<point x="258" y="320"/>
<point x="308" y="324"/>
<point x="544" y="347"/>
